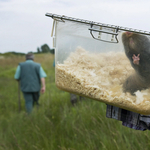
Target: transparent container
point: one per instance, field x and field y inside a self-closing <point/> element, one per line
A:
<point x="103" y="62"/>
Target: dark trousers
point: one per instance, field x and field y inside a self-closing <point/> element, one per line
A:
<point x="31" y="98"/>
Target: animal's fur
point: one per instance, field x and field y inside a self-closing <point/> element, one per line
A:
<point x="135" y="44"/>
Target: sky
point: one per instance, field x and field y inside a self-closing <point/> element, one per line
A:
<point x="24" y="26"/>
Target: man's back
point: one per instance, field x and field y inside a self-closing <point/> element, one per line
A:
<point x="30" y="76"/>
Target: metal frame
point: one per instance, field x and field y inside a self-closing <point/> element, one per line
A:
<point x="62" y="18"/>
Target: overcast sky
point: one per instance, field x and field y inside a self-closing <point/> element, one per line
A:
<point x="24" y="26"/>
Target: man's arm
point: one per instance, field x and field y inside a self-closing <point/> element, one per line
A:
<point x="43" y="85"/>
<point x="42" y="75"/>
<point x="17" y="74"/>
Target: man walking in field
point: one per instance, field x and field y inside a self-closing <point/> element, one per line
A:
<point x="32" y="80"/>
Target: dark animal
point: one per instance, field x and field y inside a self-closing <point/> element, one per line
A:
<point x="137" y="49"/>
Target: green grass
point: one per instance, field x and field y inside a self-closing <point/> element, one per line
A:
<point x="56" y="124"/>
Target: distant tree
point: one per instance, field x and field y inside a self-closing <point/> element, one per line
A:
<point x="38" y="50"/>
<point x="52" y="51"/>
<point x="45" y="48"/>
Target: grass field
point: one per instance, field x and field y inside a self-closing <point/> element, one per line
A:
<point x="57" y="125"/>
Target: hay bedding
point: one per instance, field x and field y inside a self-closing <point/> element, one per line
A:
<point x="100" y="77"/>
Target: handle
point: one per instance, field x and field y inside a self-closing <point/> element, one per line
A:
<point x="114" y="34"/>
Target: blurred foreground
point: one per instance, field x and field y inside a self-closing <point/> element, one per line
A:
<point x="57" y="124"/>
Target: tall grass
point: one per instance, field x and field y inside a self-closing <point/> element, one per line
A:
<point x="56" y="124"/>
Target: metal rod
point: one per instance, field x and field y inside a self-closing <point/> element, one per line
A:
<point x="96" y="23"/>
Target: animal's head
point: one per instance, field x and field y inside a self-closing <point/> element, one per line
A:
<point x="134" y="42"/>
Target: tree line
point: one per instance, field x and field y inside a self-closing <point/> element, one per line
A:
<point x="45" y="49"/>
<point x="42" y="49"/>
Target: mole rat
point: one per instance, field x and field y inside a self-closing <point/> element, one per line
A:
<point x="137" y="50"/>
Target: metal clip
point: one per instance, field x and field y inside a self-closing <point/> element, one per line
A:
<point x="58" y="19"/>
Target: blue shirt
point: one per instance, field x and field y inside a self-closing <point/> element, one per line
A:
<point x="17" y="74"/>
